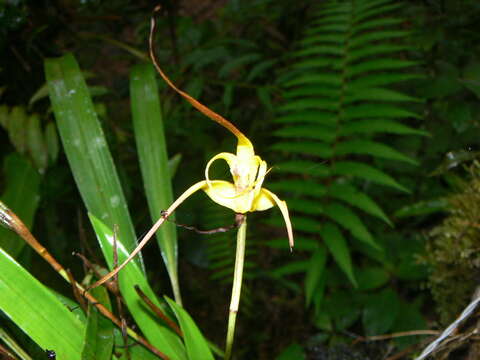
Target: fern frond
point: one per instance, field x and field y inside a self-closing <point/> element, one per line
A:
<point x="340" y="98"/>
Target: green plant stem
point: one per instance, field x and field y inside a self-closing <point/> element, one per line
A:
<point x="237" y="286"/>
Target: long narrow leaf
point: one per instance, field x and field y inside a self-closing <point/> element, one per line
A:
<point x="197" y="346"/>
<point x="152" y="152"/>
<point x="86" y="147"/>
<point x="159" y="335"/>
<point x="98" y="343"/>
<point x="37" y="311"/>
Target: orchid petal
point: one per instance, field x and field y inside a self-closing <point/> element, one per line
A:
<point x="225" y="194"/>
<point x="284" y="209"/>
<point x="263" y="201"/>
<point x="228" y="157"/>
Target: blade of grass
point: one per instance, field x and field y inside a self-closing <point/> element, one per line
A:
<point x="152" y="152"/>
<point x="160" y="336"/>
<point x="37" y="311"/>
<point x="86" y="147"/>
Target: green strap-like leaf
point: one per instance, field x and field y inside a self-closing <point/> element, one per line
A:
<point x="153" y="156"/>
<point x="157" y="334"/>
<point x="338" y="247"/>
<point x="38" y="312"/>
<point x="86" y="147"/>
<point x="98" y="342"/>
<point x="196" y="345"/>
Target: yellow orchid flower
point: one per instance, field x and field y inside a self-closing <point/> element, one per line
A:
<point x="248" y="170"/>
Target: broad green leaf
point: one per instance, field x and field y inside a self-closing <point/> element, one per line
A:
<point x="380" y="312"/>
<point x="367" y="172"/>
<point x="411" y="319"/>
<point x="37" y="311"/>
<point x="307" y="131"/>
<point x="153" y="156"/>
<point x="376" y="149"/>
<point x="314" y="273"/>
<point x="305" y="147"/>
<point x="196" y="345"/>
<point x="22" y="195"/>
<point x="86" y="147"/>
<point x="352" y="196"/>
<point x="98" y="342"/>
<point x="371" y="277"/>
<point x="157" y="334"/>
<point x="303" y="167"/>
<point x="338" y="247"/>
<point x="349" y="221"/>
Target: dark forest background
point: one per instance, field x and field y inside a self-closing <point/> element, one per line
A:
<point x="384" y="201"/>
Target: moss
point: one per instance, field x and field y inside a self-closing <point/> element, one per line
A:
<point x="453" y="250"/>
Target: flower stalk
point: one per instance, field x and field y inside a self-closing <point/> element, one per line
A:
<point x="237" y="284"/>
